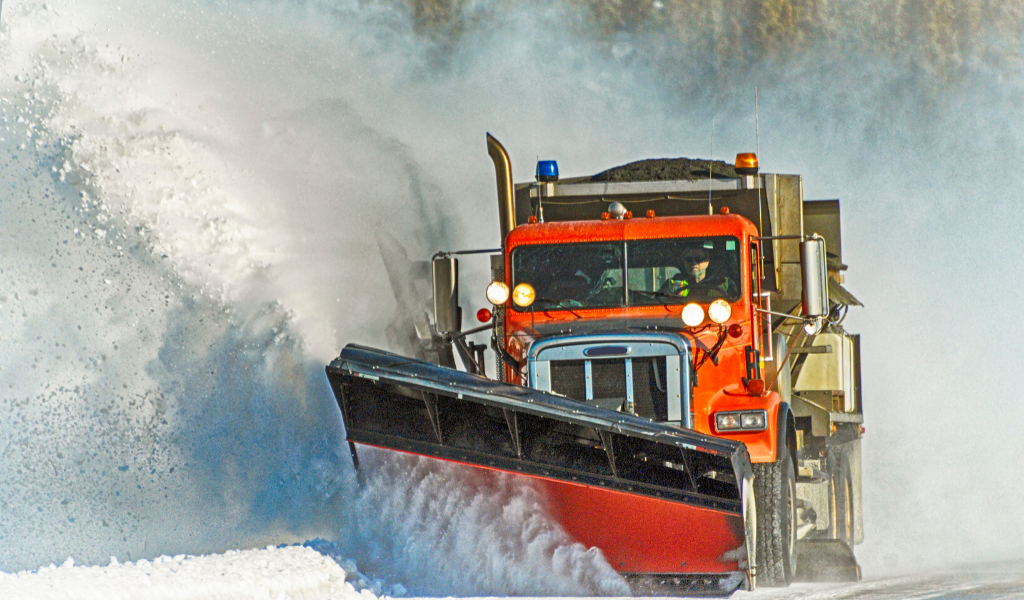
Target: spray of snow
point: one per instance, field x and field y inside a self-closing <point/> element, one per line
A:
<point x="189" y="249"/>
<point x="429" y="514"/>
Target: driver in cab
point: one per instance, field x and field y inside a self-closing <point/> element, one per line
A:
<point x="692" y="282"/>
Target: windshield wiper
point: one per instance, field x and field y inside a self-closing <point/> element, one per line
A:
<point x="656" y="295"/>
<point x="557" y="305"/>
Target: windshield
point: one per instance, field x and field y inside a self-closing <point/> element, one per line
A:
<point x="632" y="273"/>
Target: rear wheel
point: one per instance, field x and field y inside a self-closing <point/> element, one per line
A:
<point x="775" y="496"/>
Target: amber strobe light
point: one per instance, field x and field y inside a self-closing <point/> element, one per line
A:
<point x="746" y="160"/>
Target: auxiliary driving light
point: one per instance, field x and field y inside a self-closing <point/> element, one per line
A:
<point x="497" y="293"/>
<point x="747" y="420"/>
<point x="693" y="314"/>
<point x="523" y="295"/>
<point x="720" y="311"/>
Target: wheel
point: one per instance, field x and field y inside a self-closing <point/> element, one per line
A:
<point x="842" y="501"/>
<point x="775" y="497"/>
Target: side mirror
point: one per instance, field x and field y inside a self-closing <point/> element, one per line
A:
<point x="815" y="277"/>
<point x="446" y="294"/>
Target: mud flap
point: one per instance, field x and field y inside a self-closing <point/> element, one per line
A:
<point x="825" y="560"/>
<point x="660" y="501"/>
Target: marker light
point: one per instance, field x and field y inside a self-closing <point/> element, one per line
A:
<point x="497" y="293"/>
<point x="523" y="295"/>
<point x="720" y="311"/>
<point x="746" y="420"/>
<point x="483" y="315"/>
<point x="693" y="314"/>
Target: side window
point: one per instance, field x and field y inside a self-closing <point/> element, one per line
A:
<point x="761" y="321"/>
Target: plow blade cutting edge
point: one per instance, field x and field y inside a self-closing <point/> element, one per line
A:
<point x="671" y="509"/>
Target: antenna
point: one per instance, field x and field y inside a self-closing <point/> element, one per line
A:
<point x="757" y="128"/>
<point x="711" y="210"/>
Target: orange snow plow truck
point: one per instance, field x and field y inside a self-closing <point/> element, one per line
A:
<point x="671" y="372"/>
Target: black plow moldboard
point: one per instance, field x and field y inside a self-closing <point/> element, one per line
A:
<point x="414" y="406"/>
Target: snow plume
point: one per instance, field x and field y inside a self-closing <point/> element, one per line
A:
<point x="191" y="195"/>
<point x="451" y="530"/>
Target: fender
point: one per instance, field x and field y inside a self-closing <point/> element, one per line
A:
<point x="785" y="426"/>
<point x="762" y="445"/>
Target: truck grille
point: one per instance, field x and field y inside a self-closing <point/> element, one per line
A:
<point x="608" y="383"/>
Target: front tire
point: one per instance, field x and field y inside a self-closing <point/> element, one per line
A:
<point x="775" y="496"/>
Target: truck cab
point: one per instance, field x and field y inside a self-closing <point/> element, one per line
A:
<point x="612" y="300"/>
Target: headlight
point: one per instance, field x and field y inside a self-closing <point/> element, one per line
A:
<point x="752" y="420"/>
<point x="746" y="420"/>
<point x="727" y="421"/>
<point x="720" y="311"/>
<point x="693" y="314"/>
<point x="523" y="295"/>
<point x="497" y="293"/>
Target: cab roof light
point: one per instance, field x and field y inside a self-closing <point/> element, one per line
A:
<point x="746" y="163"/>
<point x="547" y="170"/>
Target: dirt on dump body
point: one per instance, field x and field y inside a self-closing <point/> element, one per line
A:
<point x="666" y="169"/>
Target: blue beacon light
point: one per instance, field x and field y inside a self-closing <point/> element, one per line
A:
<point x="547" y="170"/>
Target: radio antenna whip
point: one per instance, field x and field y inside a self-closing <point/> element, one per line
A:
<point x="711" y="210"/>
<point x="757" y="127"/>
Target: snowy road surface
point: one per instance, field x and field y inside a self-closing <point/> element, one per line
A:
<point x="295" y="573"/>
<point x="989" y="581"/>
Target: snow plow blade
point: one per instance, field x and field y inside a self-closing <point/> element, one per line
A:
<point x="671" y="509"/>
<point x="819" y="561"/>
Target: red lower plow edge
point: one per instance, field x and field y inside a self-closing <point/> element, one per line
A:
<point x="650" y="540"/>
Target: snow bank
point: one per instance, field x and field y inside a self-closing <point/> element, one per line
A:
<point x="291" y="573"/>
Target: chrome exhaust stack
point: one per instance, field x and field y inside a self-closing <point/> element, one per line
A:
<point x="506" y="194"/>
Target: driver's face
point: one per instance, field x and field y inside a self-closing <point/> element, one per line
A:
<point x="696" y="264"/>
